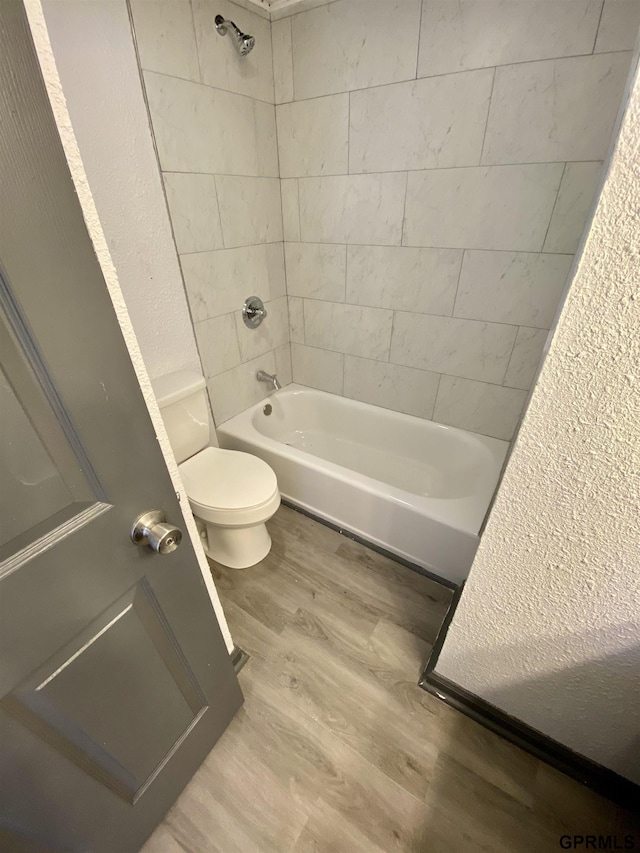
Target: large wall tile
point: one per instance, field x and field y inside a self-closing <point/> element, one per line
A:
<point x="577" y="191"/>
<point x="250" y="210"/>
<point x="282" y="60"/>
<point x="352" y="209"/>
<point x="354" y="44"/>
<point x="521" y="288"/>
<point x="313" y="136"/>
<point x="165" y="37"/>
<point x="525" y="358"/>
<point x="317" y="368"/>
<point x="561" y="109"/>
<point x="316" y="270"/>
<point x="619" y="25"/>
<point x="218" y="344"/>
<point x="290" y="209"/>
<point x="193" y="205"/>
<point x="235" y="390"/>
<point x="220" y="63"/>
<point x="478" y="407"/>
<point x="464" y="348"/>
<point x="403" y="278"/>
<point x="500" y="207"/>
<point x="296" y="320"/>
<point x="219" y="282"/>
<point x="455" y="36"/>
<point x="284" y="370"/>
<point x="391" y="386"/>
<point x="425" y="124"/>
<point x="271" y="333"/>
<point x="200" y="129"/>
<point x="348" y="328"/>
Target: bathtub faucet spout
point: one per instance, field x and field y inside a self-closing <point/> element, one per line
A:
<point x="261" y="376"/>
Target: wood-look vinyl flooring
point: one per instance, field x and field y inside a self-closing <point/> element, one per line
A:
<point x="336" y="748"/>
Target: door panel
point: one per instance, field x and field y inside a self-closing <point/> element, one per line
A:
<point x="115" y="681"/>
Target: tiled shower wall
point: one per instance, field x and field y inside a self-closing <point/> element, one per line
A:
<point x="214" y="124"/>
<point x="438" y="162"/>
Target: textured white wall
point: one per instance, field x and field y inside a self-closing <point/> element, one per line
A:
<point x="102" y="30"/>
<point x="97" y="64"/>
<point x="548" y="627"/>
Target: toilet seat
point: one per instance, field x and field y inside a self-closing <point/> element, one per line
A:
<point x="229" y="487"/>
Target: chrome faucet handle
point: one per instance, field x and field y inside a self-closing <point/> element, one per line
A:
<point x="253" y="312"/>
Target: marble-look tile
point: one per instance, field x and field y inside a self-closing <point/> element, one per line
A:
<point x="352" y="209"/>
<point x="575" y="197"/>
<point x="193" y="206"/>
<point x="290" y="209"/>
<point x="525" y="358"/>
<point x="250" y="210"/>
<point x="464" y="348"/>
<point x="218" y="344"/>
<point x="479" y="407"/>
<point x="237" y="389"/>
<point x="282" y="60"/>
<point x="200" y="129"/>
<point x="271" y="333"/>
<point x="499" y="207"/>
<point x="316" y="270"/>
<point x="348" y="328"/>
<point x="425" y="124"/>
<point x="313" y="136"/>
<point x="317" y="368"/>
<point x="220" y="64"/>
<point x="619" y="25"/>
<point x="391" y="386"/>
<point x="559" y="109"/>
<point x="219" y="282"/>
<point x="283" y="364"/>
<point x="481" y="33"/>
<point x="353" y="45"/>
<point x="521" y="288"/>
<point x="296" y="320"/>
<point x="403" y="278"/>
<point x="165" y="37"/>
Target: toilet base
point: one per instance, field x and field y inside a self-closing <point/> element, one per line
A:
<point x="237" y="547"/>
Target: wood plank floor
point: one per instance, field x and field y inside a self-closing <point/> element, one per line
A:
<point x="336" y="748"/>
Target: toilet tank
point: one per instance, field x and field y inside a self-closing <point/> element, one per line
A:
<point x="183" y="403"/>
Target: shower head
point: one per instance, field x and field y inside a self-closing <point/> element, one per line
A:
<point x="244" y="43"/>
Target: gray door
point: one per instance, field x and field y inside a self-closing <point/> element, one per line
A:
<point x="115" y="681"/>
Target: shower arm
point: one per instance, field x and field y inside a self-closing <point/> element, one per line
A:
<point x="244" y="43"/>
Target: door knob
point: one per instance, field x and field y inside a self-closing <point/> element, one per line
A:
<point x="152" y="529"/>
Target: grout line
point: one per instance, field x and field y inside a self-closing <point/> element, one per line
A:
<point x="455" y="298"/>
<point x="555" y="203"/>
<point x="349" y="135"/>
<point x="419" y="39"/>
<point x="486" y="125"/>
<point x="380" y="85"/>
<point x="297" y="180"/>
<point x="435" y="399"/>
<point x="293" y="75"/>
<point x="595" y="38"/>
<point x="195" y="41"/>
<point x="404" y="208"/>
<point x="374" y="174"/>
<point x="508" y="362"/>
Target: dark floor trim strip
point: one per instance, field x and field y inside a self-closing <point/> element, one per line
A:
<point x="589" y="773"/>
<point x="377" y="548"/>
<point x="238" y="658"/>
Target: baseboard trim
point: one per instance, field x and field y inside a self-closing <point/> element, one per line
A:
<point x="344" y="531"/>
<point x="238" y="658"/>
<point x="600" y="779"/>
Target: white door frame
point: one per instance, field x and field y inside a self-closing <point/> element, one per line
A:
<point x="35" y="15"/>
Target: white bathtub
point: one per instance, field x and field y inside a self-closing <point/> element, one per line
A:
<point x="414" y="487"/>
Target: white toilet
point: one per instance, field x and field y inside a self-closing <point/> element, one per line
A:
<point x="231" y="494"/>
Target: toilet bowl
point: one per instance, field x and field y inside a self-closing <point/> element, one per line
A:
<point x="231" y="494"/>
